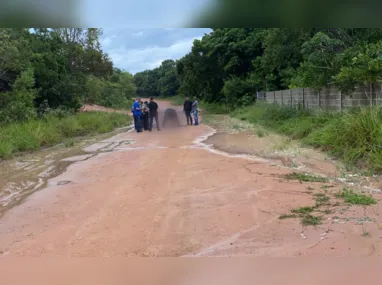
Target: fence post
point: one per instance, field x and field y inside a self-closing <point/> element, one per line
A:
<point x="319" y="99"/>
<point x="371" y="94"/>
<point x="340" y="101"/>
<point x="303" y="98"/>
<point x="290" y="93"/>
<point x="274" y="97"/>
<point x="282" y="98"/>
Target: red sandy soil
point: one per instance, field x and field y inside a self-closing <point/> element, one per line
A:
<point x="169" y="195"/>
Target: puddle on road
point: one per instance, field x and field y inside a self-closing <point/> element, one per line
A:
<point x="235" y="138"/>
<point x="28" y="173"/>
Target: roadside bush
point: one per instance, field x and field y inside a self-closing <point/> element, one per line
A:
<point x="355" y="136"/>
<point x="215" y="108"/>
<point x="17" y="105"/>
<point x="31" y="135"/>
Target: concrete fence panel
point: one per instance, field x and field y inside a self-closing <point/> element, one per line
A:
<point x="328" y="98"/>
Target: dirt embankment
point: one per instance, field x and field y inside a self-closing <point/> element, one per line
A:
<point x="96" y="108"/>
<point x="171" y="193"/>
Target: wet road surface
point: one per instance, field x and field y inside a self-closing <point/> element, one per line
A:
<point x="167" y="194"/>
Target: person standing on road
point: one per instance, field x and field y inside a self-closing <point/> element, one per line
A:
<point x="153" y="107"/>
<point x="194" y="111"/>
<point x="187" y="108"/>
<point x="137" y="113"/>
<point x="145" y="111"/>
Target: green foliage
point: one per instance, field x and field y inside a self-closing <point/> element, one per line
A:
<point x="354" y="198"/>
<point x="364" y="68"/>
<point x="47" y="69"/>
<point x="17" y="105"/>
<point x="115" y="93"/>
<point x="33" y="134"/>
<point x="215" y="108"/>
<point x="310" y="220"/>
<point x="320" y="62"/>
<point x="302" y="210"/>
<point x="162" y="81"/>
<point x="239" y="92"/>
<point x="354" y="136"/>
<point x="229" y="65"/>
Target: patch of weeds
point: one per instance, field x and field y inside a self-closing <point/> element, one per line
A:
<point x="367" y="172"/>
<point x="283" y="145"/>
<point x="69" y="142"/>
<point x="328" y="211"/>
<point x="309" y="220"/>
<point x="288" y="216"/>
<point x="304" y="177"/>
<point x="365" y="234"/>
<point x="309" y="188"/>
<point x="236" y="127"/>
<point x="321" y="199"/>
<point x="354" y="198"/>
<point x="302" y="210"/>
<point x="260" y="133"/>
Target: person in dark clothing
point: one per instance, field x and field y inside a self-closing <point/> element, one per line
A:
<point x="145" y="111"/>
<point x="153" y="107"/>
<point x="187" y="107"/>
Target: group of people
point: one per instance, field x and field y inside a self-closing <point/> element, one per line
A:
<point x="190" y="108"/>
<point x="144" y="114"/>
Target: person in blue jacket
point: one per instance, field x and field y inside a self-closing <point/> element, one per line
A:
<point x="137" y="113"/>
<point x="195" y="111"/>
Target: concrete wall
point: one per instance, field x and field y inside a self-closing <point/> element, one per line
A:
<point x="329" y="98"/>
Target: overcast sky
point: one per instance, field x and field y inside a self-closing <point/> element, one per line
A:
<point x="135" y="50"/>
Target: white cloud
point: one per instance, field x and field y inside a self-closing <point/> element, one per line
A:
<point x="136" y="60"/>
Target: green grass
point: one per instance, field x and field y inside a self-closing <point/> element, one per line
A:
<point x="32" y="135"/>
<point x="302" y="210"/>
<point x="69" y="142"/>
<point x="304" y="213"/>
<point x="287" y="216"/>
<point x="304" y="177"/>
<point x="260" y="133"/>
<point x="321" y="199"/>
<point x="310" y="220"/>
<point x="215" y="108"/>
<point x="354" y="198"/>
<point x="209" y="108"/>
<point x="355" y="135"/>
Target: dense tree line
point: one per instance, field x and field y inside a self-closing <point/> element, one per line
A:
<point x="161" y="81"/>
<point x="45" y="70"/>
<point x="231" y="64"/>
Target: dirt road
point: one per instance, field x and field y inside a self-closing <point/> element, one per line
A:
<point x="169" y="194"/>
